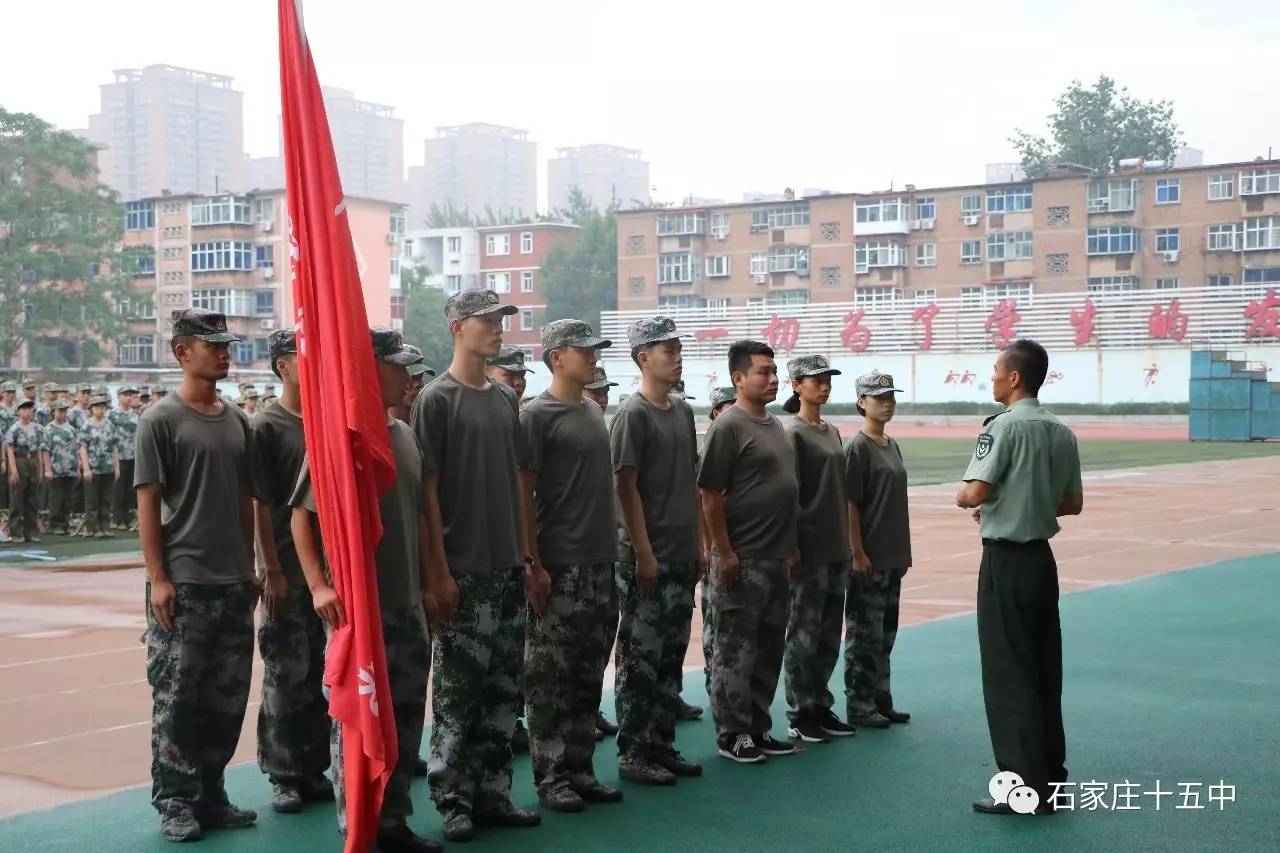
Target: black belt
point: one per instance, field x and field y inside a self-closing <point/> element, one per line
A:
<point x="1017" y="544"/>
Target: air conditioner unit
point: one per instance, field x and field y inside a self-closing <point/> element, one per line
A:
<point x="861" y="269"/>
<point x="971" y="219"/>
<point x="268" y="272"/>
<point x="267" y="323"/>
<point x="759" y="278"/>
<point x="1099" y="205"/>
<point x="926" y="224"/>
<point x="266" y="225"/>
<point x="1170" y="257"/>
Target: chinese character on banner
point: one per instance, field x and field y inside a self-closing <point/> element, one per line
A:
<point x="782" y="334"/>
<point x="954" y="378"/>
<point x="1002" y="322"/>
<point x="925" y="314"/>
<point x="1150" y="376"/>
<point x="1052" y="377"/>
<point x="1082" y="321"/>
<point x="1169" y="324"/>
<point x="710" y="334"/>
<point x="855" y="337"/>
<point x="1263" y="316"/>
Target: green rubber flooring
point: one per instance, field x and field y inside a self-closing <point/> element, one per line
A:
<point x="1171" y="678"/>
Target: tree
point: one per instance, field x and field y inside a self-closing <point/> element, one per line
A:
<point x="1098" y="127"/>
<point x="61" y="268"/>
<point x="424" y="323"/>
<point x="580" y="275"/>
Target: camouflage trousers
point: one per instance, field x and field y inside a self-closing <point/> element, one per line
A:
<point x="123" y="498"/>
<point x="653" y="635"/>
<point x="199" y="674"/>
<point x="22" y="498"/>
<point x="408" y="644"/>
<point x="97" y="503"/>
<point x="870" y="628"/>
<point x="708" y="629"/>
<point x="478" y="659"/>
<point x="61" y="493"/>
<point x="750" y="634"/>
<point x="565" y="654"/>
<point x="813" y="636"/>
<point x="293" y="719"/>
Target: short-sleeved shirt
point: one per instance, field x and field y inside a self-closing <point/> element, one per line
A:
<point x="822" y="526"/>
<point x="662" y="445"/>
<point x="76" y="416"/>
<point x="875" y="479"/>
<point x="568" y="448"/>
<point x="471" y="439"/>
<point x="750" y="459"/>
<point x="44" y="415"/>
<point x="1031" y="461"/>
<point x="24" y="439"/>
<point x="126" y="424"/>
<point x="99" y="439"/>
<point x="202" y="465"/>
<point x="7" y="419"/>
<point x="277" y="457"/>
<point x="396" y="557"/>
<point x="62" y="443"/>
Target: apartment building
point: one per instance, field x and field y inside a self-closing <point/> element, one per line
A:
<point x="511" y="258"/>
<point x="477" y="168"/>
<point x="605" y="174"/>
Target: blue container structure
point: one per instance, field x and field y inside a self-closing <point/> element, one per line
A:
<point x="1229" y="402"/>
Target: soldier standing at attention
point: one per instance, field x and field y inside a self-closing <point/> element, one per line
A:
<point x="44" y="410"/>
<point x="817" y="593"/>
<point x="61" y="447"/>
<point x="569" y="523"/>
<point x="22" y="451"/>
<point x="597" y="390"/>
<point x="655" y="454"/>
<point x="99" y="466"/>
<point x="125" y="420"/>
<point x="469" y="428"/>
<point x="721" y="398"/>
<point x="418" y="374"/>
<point x="750" y="499"/>
<point x="405" y="587"/>
<point x="293" y="719"/>
<point x="79" y="413"/>
<point x="875" y="483"/>
<point x="1024" y="475"/>
<point x="7" y="419"/>
<point x="195" y="518"/>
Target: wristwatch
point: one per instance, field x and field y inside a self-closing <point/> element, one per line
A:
<point x="529" y="560"/>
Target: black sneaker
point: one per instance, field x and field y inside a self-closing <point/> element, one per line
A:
<point x="179" y="824"/>
<point x="807" y="730"/>
<point x="742" y="749"/>
<point x="402" y="839"/>
<point x="686" y="712"/>
<point x="227" y="816"/>
<point x="317" y="789"/>
<point x="677" y="763"/>
<point x="873" y="720"/>
<point x="769" y="746"/>
<point x="894" y="715"/>
<point x="593" y="792"/>
<point x="508" y="814"/>
<point x="562" y="799"/>
<point x="639" y="768"/>
<point x="832" y="726"/>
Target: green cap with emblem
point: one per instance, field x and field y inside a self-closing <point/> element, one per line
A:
<point x="720" y="396"/>
<point x="59" y="404"/>
<point x="419" y="366"/>
<point x="8" y="385"/>
<point x="29" y="383"/>
<point x="810" y="365"/>
<point x="158" y="389"/>
<point x="601" y="381"/>
<point x="49" y="387"/>
<point x="510" y="359"/>
<point x="84" y="388"/>
<point x="282" y="342"/>
<point x="571" y="333"/>
<point x="652" y="330"/>
<point x="388" y="346"/>
<point x="127" y="388"/>
<point x="99" y="400"/>
<point x="208" y="326"/>
<point x="875" y="383"/>
<point x="475" y="303"/>
<point x="677" y="390"/>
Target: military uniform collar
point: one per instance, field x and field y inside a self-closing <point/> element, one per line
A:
<point x="1026" y="403"/>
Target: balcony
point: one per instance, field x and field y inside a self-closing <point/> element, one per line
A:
<point x="871" y="256"/>
<point x="889" y="216"/>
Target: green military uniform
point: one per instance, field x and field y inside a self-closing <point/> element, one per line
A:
<point x="101" y="443"/>
<point x="44" y="409"/>
<point x="1031" y="461"/>
<point x="61" y="445"/>
<point x="7" y="418"/>
<point x="124" y="502"/>
<point x="24" y="441"/>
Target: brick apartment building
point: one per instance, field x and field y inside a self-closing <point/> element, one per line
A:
<point x="511" y="258"/>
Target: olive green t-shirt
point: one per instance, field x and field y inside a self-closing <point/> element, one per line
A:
<point x="875" y="479"/>
<point x="1031" y="461"/>
<point x="822" y="525"/>
<point x="279" y="453"/>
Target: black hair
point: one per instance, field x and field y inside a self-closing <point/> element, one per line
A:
<point x="546" y="358"/>
<point x="1030" y="360"/>
<point x="861" y="410"/>
<point x="792" y="404"/>
<point x="178" y="339"/>
<point x="740" y="353"/>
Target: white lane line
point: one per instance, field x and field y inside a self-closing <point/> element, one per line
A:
<point x="138" y="648"/>
<point x="70" y="691"/>
<point x="90" y="733"/>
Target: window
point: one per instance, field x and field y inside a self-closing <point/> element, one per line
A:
<point x="789" y="216"/>
<point x="1221" y="186"/>
<point x="140" y="215"/>
<point x="225" y="300"/>
<point x="173" y="253"/>
<point x="454" y="244"/>
<point x="144" y="259"/>
<point x="498" y="282"/>
<point x="526" y="319"/>
<point x="1168" y="190"/>
<point x="526" y="243"/>
<point x="885" y="210"/>
<point x="139" y="306"/>
<point x="264" y="210"/>
<point x="395" y="265"/>
<point x="497" y="244"/>
<point x="398" y="304"/>
<point x="679" y="303"/>
<point x="1259" y="181"/>
<point x="264" y="256"/>
<point x="1110" y="285"/>
<point x="759" y="220"/>
<point x="1167" y="240"/>
<point x="717" y="266"/>
<point x="786" y="298"/>
<point x="1009" y="246"/>
<point x="396" y="224"/>
<point x="261" y="349"/>
<point x="526" y="281"/>
<point x="926" y="254"/>
<point x="1262" y="279"/>
<point x="970" y="205"/>
<point x="873" y="296"/>
<point x="926" y="208"/>
<point x="1262" y="232"/>
<point x="687" y="222"/>
<point x="1168" y="283"/>
<point x="1011" y="200"/>
<point x="924" y="295"/>
<point x="719" y="225"/>
<point x="789" y="259"/>
<point x="171" y="207"/>
<point x="242" y="352"/>
<point x="971" y="252"/>
<point x="225" y="255"/>
<point x="137" y="349"/>
<point x="675" y="268"/>
<point x="717" y="308"/>
<point x="1017" y="290"/>
<point x="220" y="210"/>
<point x="970" y="296"/>
<point x="264" y="303"/>
<point x="1217" y="280"/>
<point x="1116" y="240"/>
<point x="506" y="323"/>
<point x="1112" y="196"/>
<point x="879" y="253"/>
<point x="452" y="283"/>
<point x="1224" y="238"/>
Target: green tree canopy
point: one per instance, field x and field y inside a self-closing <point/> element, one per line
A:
<point x="580" y="275"/>
<point x="61" y="267"/>
<point x="424" y="323"/>
<point x="1097" y="127"/>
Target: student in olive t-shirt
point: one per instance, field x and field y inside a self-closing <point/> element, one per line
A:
<point x="880" y="531"/>
<point x="750" y="499"/>
<point x="195" y="520"/>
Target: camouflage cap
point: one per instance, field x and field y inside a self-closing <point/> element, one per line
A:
<point x="98" y="390"/>
<point x="208" y="326"/>
<point x="677" y="390"/>
<point x="475" y="303"/>
<point x="29" y="383"/>
<point x="601" y="381"/>
<point x="84" y="387"/>
<point x="49" y="387"/>
<point x="159" y="388"/>
<point x="652" y="330"/>
<point x="249" y="393"/>
<point x="388" y="346"/>
<point x="127" y="388"/>
<point x="571" y="333"/>
<point x="99" y="400"/>
<point x="810" y="365"/>
<point x="23" y="403"/>
<point x="59" y="404"/>
<point x="245" y="385"/>
<point x="510" y="359"/>
<point x="282" y="342"/>
<point x="8" y="385"/>
<point x="419" y="366"/>
<point x="875" y="383"/>
<point x="720" y="396"/>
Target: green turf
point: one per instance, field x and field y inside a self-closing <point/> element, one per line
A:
<point x="1170" y="678"/>
<point x="74" y="547"/>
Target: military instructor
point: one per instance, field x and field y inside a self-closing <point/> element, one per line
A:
<point x="1024" y="474"/>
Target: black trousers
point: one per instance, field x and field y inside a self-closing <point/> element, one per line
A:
<point x="1020" y="641"/>
<point x="123" y="500"/>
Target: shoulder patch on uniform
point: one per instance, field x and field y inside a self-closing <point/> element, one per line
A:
<point x="985" y="442"/>
<point x="992" y="418"/>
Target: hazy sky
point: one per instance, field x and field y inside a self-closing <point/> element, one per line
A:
<point x="722" y="97"/>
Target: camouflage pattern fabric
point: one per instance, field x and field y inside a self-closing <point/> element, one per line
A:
<point x="478" y="658"/>
<point x="653" y="634"/>
<point x="708" y="630"/>
<point x="405" y="634"/>
<point x="44" y="415"/>
<point x="813" y="637"/>
<point x="62" y="443"/>
<point x="750" y="634"/>
<point x="293" y="719"/>
<point x="871" y="627"/>
<point x="77" y="416"/>
<point x="199" y="675"/>
<point x="24" y="440"/>
<point x="126" y="425"/>
<point x="99" y="438"/>
<point x="566" y="652"/>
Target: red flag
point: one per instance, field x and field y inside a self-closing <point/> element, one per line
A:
<point x="345" y="427"/>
